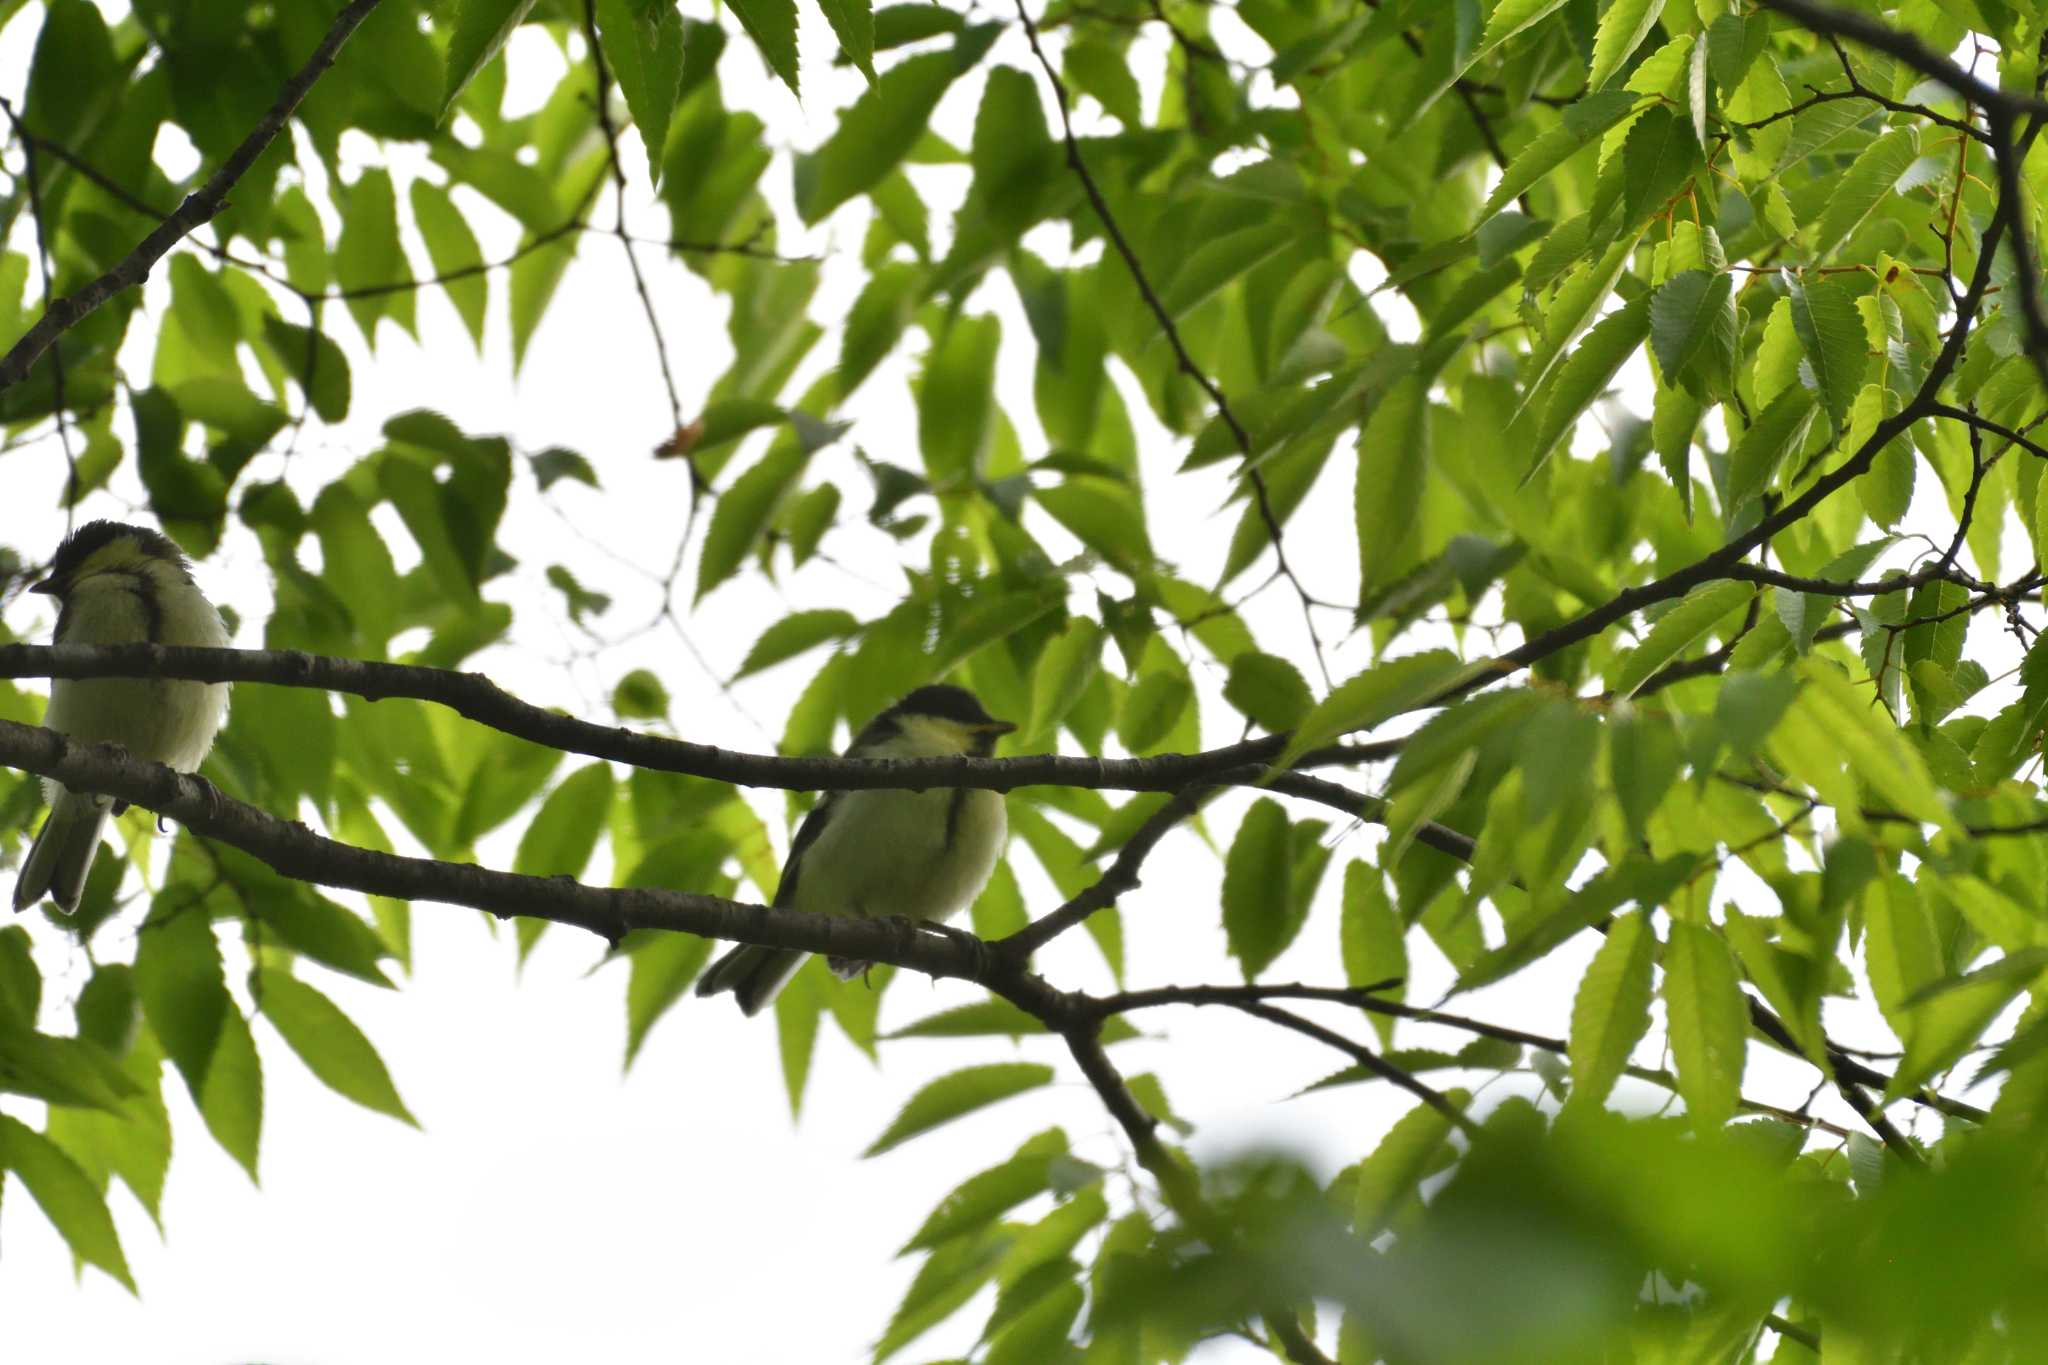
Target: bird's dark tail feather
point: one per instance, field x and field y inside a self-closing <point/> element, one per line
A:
<point x="753" y="973"/>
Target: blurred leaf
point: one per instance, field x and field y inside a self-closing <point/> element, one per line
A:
<point x="1709" y="1024"/>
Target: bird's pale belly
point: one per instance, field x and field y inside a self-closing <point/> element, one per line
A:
<point x="904" y="863"/>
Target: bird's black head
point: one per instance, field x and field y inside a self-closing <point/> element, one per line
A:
<point x="943" y="702"/>
<point x="948" y="702"/>
<point x="107" y="547"/>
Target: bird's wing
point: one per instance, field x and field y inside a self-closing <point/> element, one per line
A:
<point x="806" y="834"/>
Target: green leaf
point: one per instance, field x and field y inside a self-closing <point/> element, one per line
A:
<point x="1152" y="709"/>
<point x="1375" y="696"/>
<point x="643" y="44"/>
<point x="21" y="983"/>
<point x="65" y="1195"/>
<point x="1901" y="949"/>
<point x="556" y="463"/>
<point x="662" y="969"/>
<point x="981" y="1199"/>
<point x="1708" y="1022"/>
<point x="1824" y="316"/>
<point x="1804" y="613"/>
<point x="796" y="634"/>
<point x="1777" y="429"/>
<point x="1413" y="1148"/>
<point x="1836" y="711"/>
<point x="369" y="255"/>
<point x="1644" y="758"/>
<point x="328" y="1042"/>
<point x="772" y="26"/>
<point x="535" y="275"/>
<point x="1947" y="1024"/>
<point x="457" y="258"/>
<point x="1659" y="156"/>
<point x="1622" y="29"/>
<point x="1580" y="123"/>
<point x="1611" y="1012"/>
<point x="231" y="1101"/>
<point x="1393" y="470"/>
<point x="1690" y="310"/>
<point x="1268" y="690"/>
<point x="1510" y="17"/>
<point x="481" y="28"/>
<point x="326" y="933"/>
<point x="985" y="1018"/>
<point x="954" y="1272"/>
<point x="956" y="399"/>
<point x="181" y="983"/>
<point x="1675" y="417"/>
<point x="312" y="359"/>
<point x="1373" y="940"/>
<point x="876" y="321"/>
<point x="797" y="1011"/>
<point x="1855" y="192"/>
<point x="1103" y="514"/>
<point x="565" y="831"/>
<point x="875" y="133"/>
<point x="1257" y="916"/>
<point x="853" y="24"/>
<point x="744" y="512"/>
<point x="1677" y="630"/>
<point x="1067" y="664"/>
<point x="1586" y="375"/>
<point x="960" y="1092"/>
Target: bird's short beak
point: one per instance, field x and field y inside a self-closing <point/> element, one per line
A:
<point x="996" y="727"/>
<point x="48" y="587"/>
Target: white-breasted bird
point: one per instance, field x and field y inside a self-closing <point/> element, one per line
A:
<point x="118" y="584"/>
<point x="922" y="855"/>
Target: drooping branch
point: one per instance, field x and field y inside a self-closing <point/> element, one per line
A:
<point x="200" y="207"/>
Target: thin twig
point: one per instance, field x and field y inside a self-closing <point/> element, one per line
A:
<point x="611" y="148"/>
<point x="57" y="401"/>
<point x="1185" y="359"/>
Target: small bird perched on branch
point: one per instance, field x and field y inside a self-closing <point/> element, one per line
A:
<point x="922" y="855"/>
<point x="115" y="585"/>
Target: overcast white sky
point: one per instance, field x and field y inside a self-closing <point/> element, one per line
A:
<point x="553" y="1208"/>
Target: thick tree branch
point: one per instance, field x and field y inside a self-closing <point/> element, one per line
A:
<point x="297" y="852"/>
<point x="477" y="698"/>
<point x="200" y="207"/>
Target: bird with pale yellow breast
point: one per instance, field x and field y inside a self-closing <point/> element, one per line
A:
<point x="118" y="584"/>
<point x="921" y="855"/>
